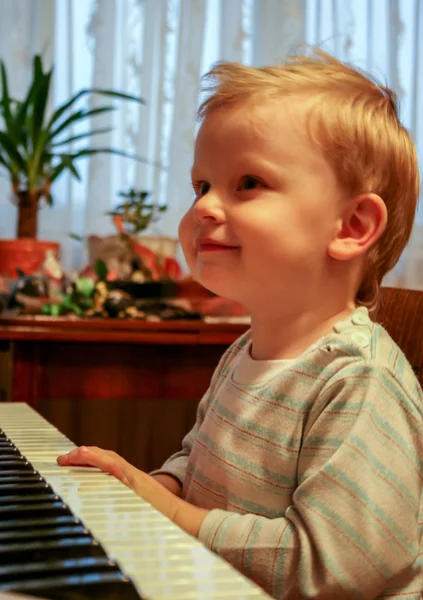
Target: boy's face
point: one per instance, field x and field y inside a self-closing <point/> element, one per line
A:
<point x="267" y="205"/>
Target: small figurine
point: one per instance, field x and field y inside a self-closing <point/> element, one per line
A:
<point x="29" y="293"/>
<point x="116" y="303"/>
<point x="77" y="300"/>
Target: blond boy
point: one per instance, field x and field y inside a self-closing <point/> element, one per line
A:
<point x="303" y="469"/>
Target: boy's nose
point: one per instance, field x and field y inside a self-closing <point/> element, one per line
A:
<point x="209" y="207"/>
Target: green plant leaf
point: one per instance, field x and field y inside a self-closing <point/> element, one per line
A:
<point x="119" y="95"/>
<point x="12" y="152"/>
<point x="85" y="286"/>
<point x="74" y="171"/>
<point x="75" y="236"/>
<point x="30" y="148"/>
<point x="37" y="82"/>
<point x="4" y="163"/>
<point x="66" y="163"/>
<point x="38" y="157"/>
<point x="90" y="151"/>
<point x="22" y="108"/>
<point x="55" y="310"/>
<point x="58" y="170"/>
<point x="37" y="67"/>
<point x="100" y="269"/>
<point x="78" y="116"/>
<point x="64" y="107"/>
<point x="9" y="106"/>
<point x="81" y="136"/>
<point x="40" y="99"/>
<point x="78" y="311"/>
<point x="5" y="98"/>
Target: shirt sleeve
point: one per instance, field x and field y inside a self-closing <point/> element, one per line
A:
<point x="353" y="522"/>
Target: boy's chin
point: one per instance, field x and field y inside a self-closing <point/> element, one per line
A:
<point x="219" y="286"/>
<point x="225" y="294"/>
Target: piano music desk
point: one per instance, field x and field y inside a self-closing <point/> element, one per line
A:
<point x="130" y="386"/>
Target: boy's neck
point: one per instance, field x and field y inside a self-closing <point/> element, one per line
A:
<point x="288" y="336"/>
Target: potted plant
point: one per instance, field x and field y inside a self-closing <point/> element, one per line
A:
<point x="34" y="152"/>
<point x="131" y="255"/>
<point x="157" y="272"/>
<point x="136" y="211"/>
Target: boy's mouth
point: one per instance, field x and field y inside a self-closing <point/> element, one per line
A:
<point x="204" y="244"/>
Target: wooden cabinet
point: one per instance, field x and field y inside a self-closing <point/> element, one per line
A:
<point x="132" y="387"/>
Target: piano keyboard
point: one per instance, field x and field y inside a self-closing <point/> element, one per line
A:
<point x="68" y="533"/>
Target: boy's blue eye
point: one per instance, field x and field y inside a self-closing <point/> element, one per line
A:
<point x="248" y="183"/>
<point x="202" y="188"/>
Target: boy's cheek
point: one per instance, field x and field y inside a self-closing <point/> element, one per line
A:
<point x="186" y="234"/>
<point x="185" y="228"/>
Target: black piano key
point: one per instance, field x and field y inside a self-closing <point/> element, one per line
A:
<point x="46" y="533"/>
<point x="25" y="523"/>
<point x="29" y="511"/>
<point x="95" y="586"/>
<point x="72" y="547"/>
<point x="30" y="487"/>
<point x="28" y="498"/>
<point x="56" y="568"/>
<point x="17" y="464"/>
<point x="15" y="456"/>
<point x="9" y="450"/>
<point x="19" y="473"/>
<point x="45" y="550"/>
<point x="20" y="478"/>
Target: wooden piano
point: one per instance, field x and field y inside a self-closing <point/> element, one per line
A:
<point x="77" y="533"/>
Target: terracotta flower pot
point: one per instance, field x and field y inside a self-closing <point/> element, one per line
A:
<point x="26" y="254"/>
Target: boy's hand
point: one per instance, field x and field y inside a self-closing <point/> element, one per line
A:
<point x="185" y="515"/>
<point x="142" y="484"/>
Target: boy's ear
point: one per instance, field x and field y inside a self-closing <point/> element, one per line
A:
<point x="361" y="225"/>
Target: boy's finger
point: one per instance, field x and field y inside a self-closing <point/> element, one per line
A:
<point x="87" y="456"/>
<point x="77" y="457"/>
<point x="105" y="460"/>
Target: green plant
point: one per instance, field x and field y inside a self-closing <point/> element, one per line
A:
<point x="137" y="212"/>
<point x="77" y="300"/>
<point x="33" y="145"/>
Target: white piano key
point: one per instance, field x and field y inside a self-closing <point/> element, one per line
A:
<point x="164" y="562"/>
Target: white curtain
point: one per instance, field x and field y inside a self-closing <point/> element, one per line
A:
<point x="384" y="38"/>
<point x="25" y="30"/>
<point x="158" y="49"/>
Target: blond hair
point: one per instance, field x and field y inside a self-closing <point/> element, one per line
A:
<point x="355" y="123"/>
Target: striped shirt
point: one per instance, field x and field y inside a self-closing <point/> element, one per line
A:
<point x="312" y="467"/>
